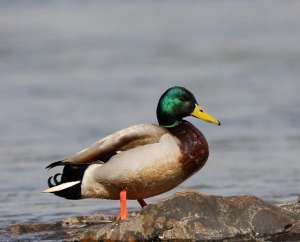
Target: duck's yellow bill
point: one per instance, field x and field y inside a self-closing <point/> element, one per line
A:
<point x="200" y="114"/>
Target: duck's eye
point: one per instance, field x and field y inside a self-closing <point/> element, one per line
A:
<point x="201" y="110"/>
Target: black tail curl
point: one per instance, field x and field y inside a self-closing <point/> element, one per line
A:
<point x="56" y="163"/>
<point x="70" y="173"/>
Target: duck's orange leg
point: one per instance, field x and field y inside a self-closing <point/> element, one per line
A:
<point x="142" y="202"/>
<point x="123" y="205"/>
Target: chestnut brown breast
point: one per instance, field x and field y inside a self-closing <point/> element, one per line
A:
<point x="194" y="147"/>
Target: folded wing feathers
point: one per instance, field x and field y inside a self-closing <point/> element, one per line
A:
<point x="134" y="135"/>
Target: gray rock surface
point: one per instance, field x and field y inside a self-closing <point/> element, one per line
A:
<point x="188" y="216"/>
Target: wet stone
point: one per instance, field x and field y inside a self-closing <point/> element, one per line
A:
<point x="187" y="215"/>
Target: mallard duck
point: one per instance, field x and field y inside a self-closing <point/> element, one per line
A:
<point x="140" y="161"/>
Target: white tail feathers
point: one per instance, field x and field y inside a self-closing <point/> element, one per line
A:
<point x="61" y="186"/>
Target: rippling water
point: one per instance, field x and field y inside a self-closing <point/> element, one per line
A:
<point x="72" y="72"/>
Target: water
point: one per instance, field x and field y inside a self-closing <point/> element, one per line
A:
<point x="72" y="72"/>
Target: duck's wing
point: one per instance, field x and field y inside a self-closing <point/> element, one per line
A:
<point x="122" y="140"/>
<point x="144" y="171"/>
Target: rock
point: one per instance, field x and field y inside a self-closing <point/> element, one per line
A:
<point x="31" y="228"/>
<point x="187" y="215"/>
<point x="194" y="216"/>
<point x="293" y="207"/>
<point x="68" y="228"/>
<point x="81" y="221"/>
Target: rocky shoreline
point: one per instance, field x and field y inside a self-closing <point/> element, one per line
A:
<point x="185" y="216"/>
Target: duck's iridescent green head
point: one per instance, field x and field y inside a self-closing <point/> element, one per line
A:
<point x="177" y="103"/>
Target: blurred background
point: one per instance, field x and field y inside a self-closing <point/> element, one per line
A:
<point x="75" y="71"/>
